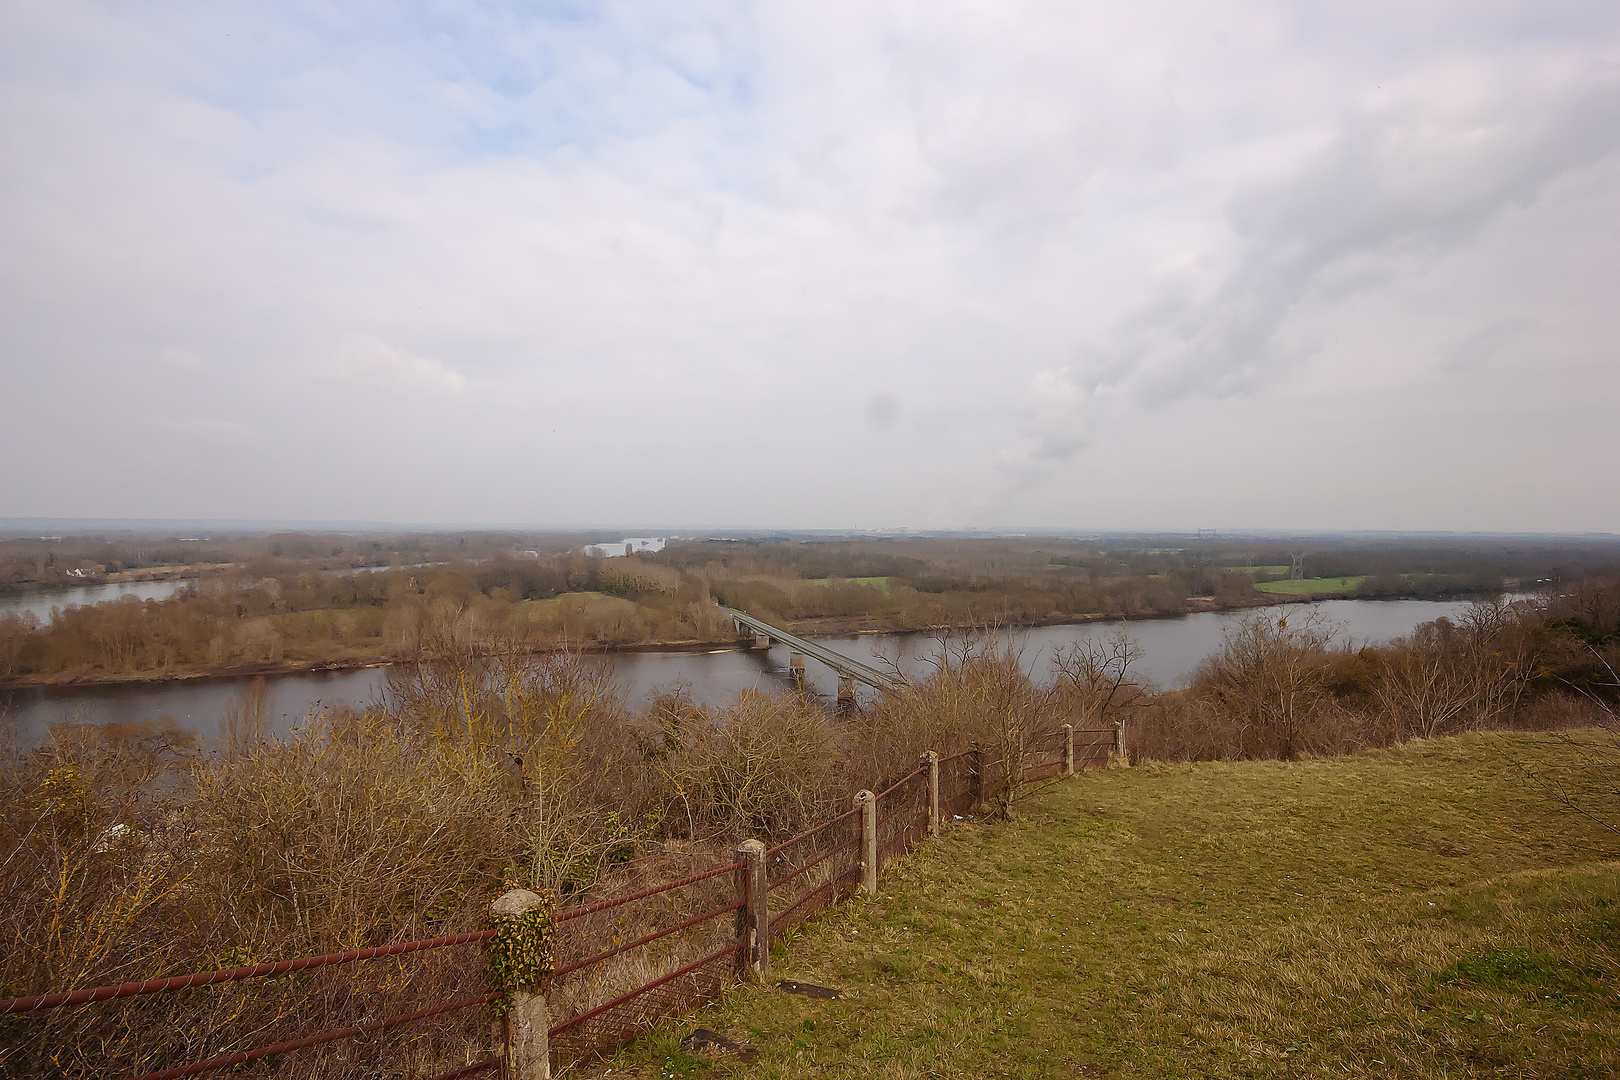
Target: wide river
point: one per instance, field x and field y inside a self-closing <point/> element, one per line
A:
<point x="1170" y="649"/>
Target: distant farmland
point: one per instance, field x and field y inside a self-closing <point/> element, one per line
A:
<point x="1312" y="586"/>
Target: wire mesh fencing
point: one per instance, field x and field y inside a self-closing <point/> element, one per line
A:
<point x="627" y="963"/>
<point x="958" y="783"/>
<point x="1094" y="747"/>
<point x="812" y="870"/>
<point x="405" y="1008"/>
<point x="1046" y="757"/>
<point x="902" y="816"/>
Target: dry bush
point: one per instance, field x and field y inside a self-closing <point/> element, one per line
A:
<point x="1559" y="711"/>
<point x="356" y="829"/>
<point x="763" y="766"/>
<point x="636" y="576"/>
<point x="978" y="693"/>
<point x="96" y="871"/>
<point x="561" y="727"/>
<point x="1446" y="677"/>
<point x="1268" y="684"/>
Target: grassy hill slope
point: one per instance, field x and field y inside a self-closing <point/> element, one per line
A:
<point x="1420" y="912"/>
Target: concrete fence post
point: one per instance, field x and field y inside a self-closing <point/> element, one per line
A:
<point x="977" y="788"/>
<point x="1119" y="743"/>
<point x="1068" y="749"/>
<point x="753" y="917"/>
<point x="523" y="1046"/>
<point x="933" y="792"/>
<point x="866" y="803"/>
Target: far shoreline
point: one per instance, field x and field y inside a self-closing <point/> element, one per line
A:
<point x="836" y="627"/>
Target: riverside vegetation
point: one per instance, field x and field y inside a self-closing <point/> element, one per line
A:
<point x="288" y="602"/>
<point x="127" y="853"/>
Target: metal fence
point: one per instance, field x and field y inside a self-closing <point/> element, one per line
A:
<point x="626" y="963"/>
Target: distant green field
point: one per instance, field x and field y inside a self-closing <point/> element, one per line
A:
<point x="557" y="607"/>
<point x="881" y="584"/>
<point x="1312" y="586"/>
<point x="1260" y="569"/>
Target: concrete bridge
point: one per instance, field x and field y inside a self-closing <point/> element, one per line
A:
<point x="849" y="671"/>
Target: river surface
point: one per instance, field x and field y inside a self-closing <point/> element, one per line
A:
<point x="1170" y="649"/>
<point x="42" y="605"/>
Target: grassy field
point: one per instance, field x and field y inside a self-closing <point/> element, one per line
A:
<point x="881" y="584"/>
<point x="1420" y="912"/>
<point x="557" y="608"/>
<point x="1312" y="586"/>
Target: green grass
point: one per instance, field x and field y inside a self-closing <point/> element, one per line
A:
<point x="881" y="584"/>
<point x="1419" y="912"/>
<point x="1312" y="586"/>
<point x="1260" y="569"/>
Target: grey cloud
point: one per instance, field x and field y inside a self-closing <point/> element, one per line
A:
<point x="1406" y="182"/>
<point x="883" y="408"/>
<point x="1474" y="351"/>
<point x="633" y="237"/>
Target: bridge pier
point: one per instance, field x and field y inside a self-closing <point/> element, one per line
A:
<point x="761" y="641"/>
<point x="796" y="669"/>
<point x="846" y="692"/>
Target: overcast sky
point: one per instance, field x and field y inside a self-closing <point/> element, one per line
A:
<point x="1305" y="266"/>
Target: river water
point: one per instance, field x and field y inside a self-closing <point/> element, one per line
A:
<point x="1170" y="650"/>
<point x="42" y="605"/>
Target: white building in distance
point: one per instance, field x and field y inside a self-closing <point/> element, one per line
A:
<point x="628" y="546"/>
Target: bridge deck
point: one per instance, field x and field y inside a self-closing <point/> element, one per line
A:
<point x="850" y="669"/>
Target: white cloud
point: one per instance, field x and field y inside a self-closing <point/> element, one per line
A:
<point x="366" y="361"/>
<point x="624" y="240"/>
<point x="1410" y="182"/>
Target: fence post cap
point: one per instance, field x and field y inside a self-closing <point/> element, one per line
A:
<point x="515" y="903"/>
<point x="751" y="847"/>
<point x="864" y="796"/>
<point x="931" y="755"/>
<point x="1068" y="727"/>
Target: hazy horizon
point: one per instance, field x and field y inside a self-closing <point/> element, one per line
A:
<point x="19" y="528"/>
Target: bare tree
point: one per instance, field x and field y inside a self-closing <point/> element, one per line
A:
<point x="1097" y="671"/>
<point x="1447" y="676"/>
<point x="1269" y="674"/>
